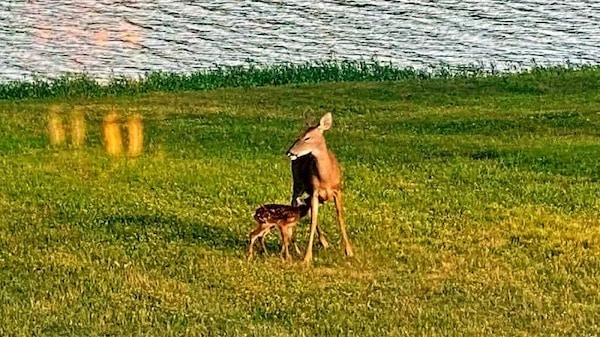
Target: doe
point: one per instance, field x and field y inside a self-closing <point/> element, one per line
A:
<point x="316" y="171"/>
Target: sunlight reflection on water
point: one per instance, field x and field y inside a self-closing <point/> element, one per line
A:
<point x="133" y="37"/>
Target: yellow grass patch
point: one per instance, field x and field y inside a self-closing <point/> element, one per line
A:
<point x="174" y="294"/>
<point x="405" y="185"/>
<point x="63" y="259"/>
<point x="555" y="228"/>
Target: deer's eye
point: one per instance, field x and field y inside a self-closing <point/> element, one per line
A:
<point x="306" y="139"/>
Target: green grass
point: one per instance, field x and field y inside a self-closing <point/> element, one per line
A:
<point x="473" y="204"/>
<point x="254" y="75"/>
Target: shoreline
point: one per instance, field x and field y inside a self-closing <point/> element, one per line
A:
<point x="81" y="85"/>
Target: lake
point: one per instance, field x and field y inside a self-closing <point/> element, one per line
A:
<point x="104" y="38"/>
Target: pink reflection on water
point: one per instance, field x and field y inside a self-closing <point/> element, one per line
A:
<point x="42" y="32"/>
<point x="83" y="31"/>
<point x="100" y="37"/>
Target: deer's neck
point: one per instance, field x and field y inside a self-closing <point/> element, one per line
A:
<point x="325" y="164"/>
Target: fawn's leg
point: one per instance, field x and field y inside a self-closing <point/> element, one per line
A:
<point x="289" y="232"/>
<point x="337" y="199"/>
<point x="284" y="242"/>
<point x="250" y="247"/>
<point x="294" y="241"/>
<point x="314" y="212"/>
<point x="255" y="234"/>
<point x="266" y="231"/>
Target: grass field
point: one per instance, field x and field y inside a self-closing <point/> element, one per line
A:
<point x="473" y="205"/>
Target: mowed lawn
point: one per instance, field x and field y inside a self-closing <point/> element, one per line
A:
<point x="473" y="206"/>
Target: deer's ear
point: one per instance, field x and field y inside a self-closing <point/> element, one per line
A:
<point x="326" y="122"/>
<point x="308" y="118"/>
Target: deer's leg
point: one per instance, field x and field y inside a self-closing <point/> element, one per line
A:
<point x="255" y="234"/>
<point x="314" y="212"/>
<point x="262" y="244"/>
<point x="284" y="244"/>
<point x="286" y="236"/>
<point x="261" y="234"/>
<point x="298" y="252"/>
<point x="322" y="237"/>
<point x="250" y="250"/>
<point x="282" y="237"/>
<point x="337" y="199"/>
<point x="295" y="245"/>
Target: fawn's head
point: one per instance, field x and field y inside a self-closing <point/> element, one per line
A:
<point x="312" y="139"/>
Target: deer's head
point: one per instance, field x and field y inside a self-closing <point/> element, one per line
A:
<point x="312" y="139"/>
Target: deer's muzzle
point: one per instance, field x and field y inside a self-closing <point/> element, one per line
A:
<point x="291" y="155"/>
<point x="289" y="152"/>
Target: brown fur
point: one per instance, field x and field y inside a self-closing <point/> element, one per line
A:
<point x="284" y="217"/>
<point x="316" y="171"/>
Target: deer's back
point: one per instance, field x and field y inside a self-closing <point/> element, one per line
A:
<point x="274" y="213"/>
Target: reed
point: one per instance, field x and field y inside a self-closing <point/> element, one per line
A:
<point x="254" y="75"/>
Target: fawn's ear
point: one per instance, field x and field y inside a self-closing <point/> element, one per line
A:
<point x="325" y="122"/>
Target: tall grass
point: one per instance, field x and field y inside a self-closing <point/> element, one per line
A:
<point x="253" y="75"/>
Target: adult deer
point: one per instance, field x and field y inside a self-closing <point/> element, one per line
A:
<point x="317" y="173"/>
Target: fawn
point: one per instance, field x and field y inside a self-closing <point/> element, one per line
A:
<point x="284" y="217"/>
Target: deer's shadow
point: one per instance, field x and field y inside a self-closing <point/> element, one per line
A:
<point x="140" y="227"/>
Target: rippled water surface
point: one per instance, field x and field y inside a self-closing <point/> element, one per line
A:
<point x="45" y="38"/>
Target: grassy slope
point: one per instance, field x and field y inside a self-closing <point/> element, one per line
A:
<point x="473" y="205"/>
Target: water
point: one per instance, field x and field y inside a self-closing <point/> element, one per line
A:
<point x="132" y="37"/>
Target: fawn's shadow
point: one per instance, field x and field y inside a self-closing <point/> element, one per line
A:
<point x="140" y="227"/>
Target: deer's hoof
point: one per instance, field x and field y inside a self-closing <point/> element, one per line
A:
<point x="307" y="259"/>
<point x="349" y="252"/>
